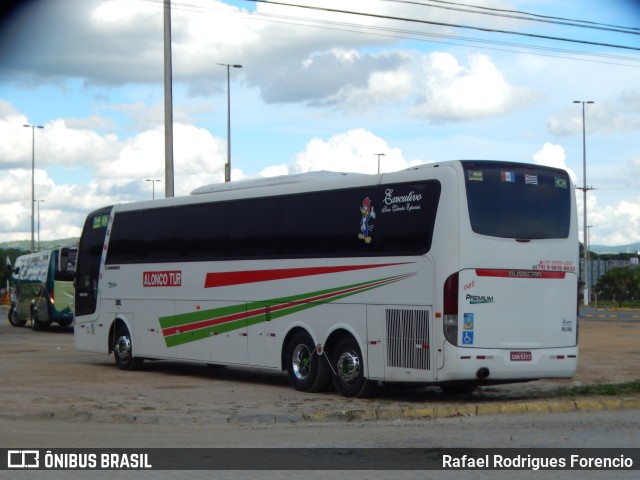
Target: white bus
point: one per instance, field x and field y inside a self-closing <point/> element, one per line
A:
<point x="454" y="274"/>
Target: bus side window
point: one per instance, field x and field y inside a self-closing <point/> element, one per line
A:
<point x="63" y="259"/>
<point x="62" y="270"/>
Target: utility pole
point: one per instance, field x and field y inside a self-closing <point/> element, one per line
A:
<point x="168" y="104"/>
<point x="227" y="167"/>
<point x="33" y="181"/>
<point x="379" y="155"/>
<point x="584" y="189"/>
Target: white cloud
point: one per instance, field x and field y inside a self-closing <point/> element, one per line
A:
<point x="614" y="224"/>
<point x="553" y="156"/>
<point x="116" y="170"/>
<point x="352" y="151"/>
<point x="451" y="91"/>
<point x="331" y="77"/>
<point x="386" y="81"/>
<point x="615" y="115"/>
<point x="62" y="207"/>
<point x="16" y="140"/>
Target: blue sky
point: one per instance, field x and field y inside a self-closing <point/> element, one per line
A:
<point x="318" y="91"/>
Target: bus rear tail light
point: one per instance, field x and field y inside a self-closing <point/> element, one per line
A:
<point x="51" y="297"/>
<point x="450" y="301"/>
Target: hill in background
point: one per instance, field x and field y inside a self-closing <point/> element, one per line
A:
<point x="47" y="244"/>
<point x="631" y="248"/>
<point x="25" y="245"/>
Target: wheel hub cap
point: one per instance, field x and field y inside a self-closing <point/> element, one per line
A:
<point x="348" y="367"/>
<point x="123" y="347"/>
<point x="301" y="362"/>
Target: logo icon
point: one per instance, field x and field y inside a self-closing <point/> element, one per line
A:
<point x="368" y="213"/>
<point x="23" y="459"/>
<point x="468" y="321"/>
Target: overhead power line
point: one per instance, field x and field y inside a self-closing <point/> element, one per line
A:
<point x="412" y="34"/>
<point x="445" y="24"/>
<point x="520" y="15"/>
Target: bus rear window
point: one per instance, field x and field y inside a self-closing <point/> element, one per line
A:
<point x="518" y="200"/>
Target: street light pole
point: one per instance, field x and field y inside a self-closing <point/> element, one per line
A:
<point x="379" y="155"/>
<point x="153" y="187"/>
<point x="585" y="253"/>
<point x="39" y="201"/>
<point x="227" y="167"/>
<point x="168" y="105"/>
<point x="33" y="181"/>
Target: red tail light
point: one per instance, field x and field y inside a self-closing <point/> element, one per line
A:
<point x="450" y="308"/>
<point x="451" y="295"/>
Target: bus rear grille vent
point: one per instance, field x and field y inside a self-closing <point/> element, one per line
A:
<point x="408" y="338"/>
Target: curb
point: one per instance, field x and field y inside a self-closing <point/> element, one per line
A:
<point x="432" y="412"/>
<point x="449" y="411"/>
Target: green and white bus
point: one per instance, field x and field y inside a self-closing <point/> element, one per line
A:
<point x="455" y="274"/>
<point x="42" y="288"/>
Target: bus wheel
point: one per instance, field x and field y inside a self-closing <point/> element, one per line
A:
<point x="13" y="320"/>
<point x="348" y="367"/>
<point x="123" y="350"/>
<point x="36" y="325"/>
<point x="307" y="371"/>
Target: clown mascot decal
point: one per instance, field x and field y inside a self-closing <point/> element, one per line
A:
<point x="367" y="213"/>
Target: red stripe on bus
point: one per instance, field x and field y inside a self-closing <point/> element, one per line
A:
<point x="224" y="279"/>
<point x="505" y="273"/>
<point x="178" y="329"/>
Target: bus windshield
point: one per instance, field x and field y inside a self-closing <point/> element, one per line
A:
<point x="518" y="200"/>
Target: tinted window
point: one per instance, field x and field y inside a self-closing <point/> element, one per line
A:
<point x="379" y="220"/>
<point x="88" y="261"/>
<point x="206" y="232"/>
<point x="253" y="227"/>
<point x="518" y="200"/>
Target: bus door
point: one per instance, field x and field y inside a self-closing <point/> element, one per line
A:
<point x="89" y="257"/>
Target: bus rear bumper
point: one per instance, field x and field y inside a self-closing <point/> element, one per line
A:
<point x="507" y="365"/>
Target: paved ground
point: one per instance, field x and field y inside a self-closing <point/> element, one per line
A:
<point x="45" y="377"/>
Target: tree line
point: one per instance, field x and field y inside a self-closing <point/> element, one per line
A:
<point x="620" y="285"/>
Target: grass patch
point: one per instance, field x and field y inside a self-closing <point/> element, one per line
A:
<point x="607" y="389"/>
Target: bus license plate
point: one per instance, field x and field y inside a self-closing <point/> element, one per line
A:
<point x="520" y="356"/>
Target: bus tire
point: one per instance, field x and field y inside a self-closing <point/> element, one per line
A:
<point x="123" y="350"/>
<point x="36" y="325"/>
<point x="348" y="370"/>
<point x="307" y="371"/>
<point x="13" y="320"/>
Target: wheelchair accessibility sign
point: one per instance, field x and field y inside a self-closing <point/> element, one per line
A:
<point x="468" y="326"/>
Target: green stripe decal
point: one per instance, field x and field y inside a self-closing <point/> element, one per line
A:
<point x="189" y="327"/>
